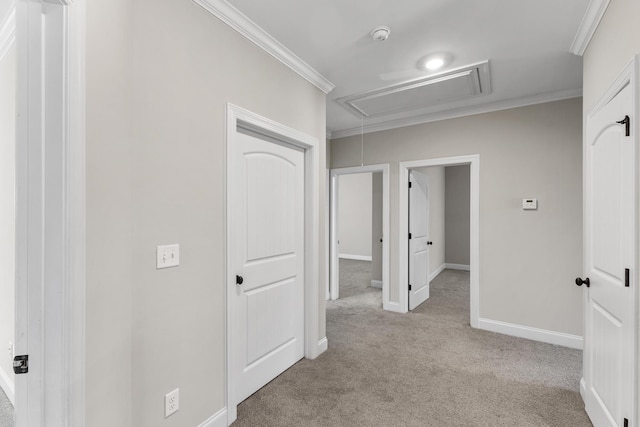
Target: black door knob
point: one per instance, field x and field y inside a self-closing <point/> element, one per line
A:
<point x="239" y="280"/>
<point x="579" y="281"/>
<point x="429" y="243"/>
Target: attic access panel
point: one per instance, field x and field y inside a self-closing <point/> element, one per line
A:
<point x="447" y="87"/>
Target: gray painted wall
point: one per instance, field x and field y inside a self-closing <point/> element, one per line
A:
<point x="528" y="260"/>
<point x="157" y="89"/>
<point x="456" y="226"/>
<point x="7" y="214"/>
<point x="354" y="214"/>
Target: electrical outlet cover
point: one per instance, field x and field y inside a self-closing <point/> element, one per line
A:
<point x="171" y="402"/>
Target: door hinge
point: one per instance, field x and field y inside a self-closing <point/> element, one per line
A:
<point x="21" y="364"/>
<point x="409" y="286"/>
<point x="409" y="184"/>
<point x="626" y="277"/>
<point x="626" y="422"/>
<point x="627" y="125"/>
<point x="409" y="235"/>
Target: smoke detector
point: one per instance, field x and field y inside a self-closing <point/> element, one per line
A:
<point x="380" y="34"/>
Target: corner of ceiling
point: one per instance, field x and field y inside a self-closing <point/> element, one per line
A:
<point x="254" y="33"/>
<point x="592" y="17"/>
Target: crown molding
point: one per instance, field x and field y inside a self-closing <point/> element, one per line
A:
<point x="594" y="13"/>
<point x="458" y="112"/>
<point x="254" y="33"/>
<point x="8" y="32"/>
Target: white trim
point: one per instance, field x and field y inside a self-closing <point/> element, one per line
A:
<point x="583" y="388"/>
<point x="254" y="33"/>
<point x="528" y="332"/>
<point x="590" y="21"/>
<point x="323" y="345"/>
<point x="8" y="386"/>
<point x="334" y="279"/>
<point x="395" y="307"/>
<point x="8" y="32"/>
<point x="237" y="116"/>
<point x="437" y="271"/>
<point x="376" y="284"/>
<point x="219" y="419"/>
<point x="474" y="227"/>
<point x="411" y="118"/>
<point x="356" y="257"/>
<point x="457" y="266"/>
<point x="50" y="220"/>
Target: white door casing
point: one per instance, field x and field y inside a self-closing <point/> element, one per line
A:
<point x="418" y="238"/>
<point x="611" y="217"/>
<point x="241" y="122"/>
<point x="268" y="306"/>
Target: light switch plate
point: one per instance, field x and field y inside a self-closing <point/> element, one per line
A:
<point x="168" y="256"/>
<point x="529" y="204"/>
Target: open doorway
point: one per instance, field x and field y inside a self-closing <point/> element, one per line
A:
<point x="359" y="224"/>
<point x="464" y="177"/>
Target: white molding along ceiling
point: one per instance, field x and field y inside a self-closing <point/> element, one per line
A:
<point x="592" y="17"/>
<point x="8" y="33"/>
<point x="254" y="33"/>
<point x="410" y="120"/>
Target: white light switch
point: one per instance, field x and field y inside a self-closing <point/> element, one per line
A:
<point x="168" y="256"/>
<point x="529" y="204"/>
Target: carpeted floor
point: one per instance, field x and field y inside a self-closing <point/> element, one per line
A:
<point x="426" y="368"/>
<point x="6" y="411"/>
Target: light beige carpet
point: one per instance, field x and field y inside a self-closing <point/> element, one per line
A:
<point x="426" y="368"/>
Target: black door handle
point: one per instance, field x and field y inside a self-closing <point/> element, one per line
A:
<point x="429" y="243"/>
<point x="239" y="280"/>
<point x="579" y="281"/>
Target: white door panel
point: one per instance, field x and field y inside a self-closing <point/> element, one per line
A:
<point x="610" y="249"/>
<point x="418" y="242"/>
<point x="268" y="307"/>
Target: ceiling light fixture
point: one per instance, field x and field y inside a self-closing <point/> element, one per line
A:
<point x="434" y="62"/>
<point x="380" y="33"/>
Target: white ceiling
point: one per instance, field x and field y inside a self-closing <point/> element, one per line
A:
<point x="526" y="42"/>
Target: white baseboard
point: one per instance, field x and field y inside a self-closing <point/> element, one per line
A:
<point x="8" y="386"/>
<point x="376" y="284"/>
<point x="323" y="345"/>
<point x="219" y="419"/>
<point x="438" y="271"/>
<point x="356" y="257"/>
<point x="535" y="334"/>
<point x="457" y="266"/>
<point x="395" y="307"/>
<point x="583" y="388"/>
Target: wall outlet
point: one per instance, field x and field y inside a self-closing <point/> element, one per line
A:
<point x="171" y="402"/>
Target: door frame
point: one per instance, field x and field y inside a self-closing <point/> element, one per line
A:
<point x="313" y="346"/>
<point x="50" y="219"/>
<point x="333" y="290"/>
<point x="630" y="75"/>
<point x="474" y="242"/>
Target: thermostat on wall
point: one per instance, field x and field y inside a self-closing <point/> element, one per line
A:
<point x="529" y="204"/>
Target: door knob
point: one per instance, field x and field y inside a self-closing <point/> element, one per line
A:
<point x="579" y="281"/>
<point x="429" y="243"/>
<point x="239" y="280"/>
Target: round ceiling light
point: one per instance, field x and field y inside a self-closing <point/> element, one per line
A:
<point x="380" y="34"/>
<point x="434" y="62"/>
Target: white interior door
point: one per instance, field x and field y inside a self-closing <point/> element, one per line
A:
<point x="418" y="239"/>
<point x="267" y="303"/>
<point x="609" y="260"/>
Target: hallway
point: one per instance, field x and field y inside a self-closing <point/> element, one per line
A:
<point x="426" y="368"/>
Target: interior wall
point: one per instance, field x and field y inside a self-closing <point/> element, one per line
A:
<point x="157" y="90"/>
<point x="376" y="226"/>
<point x="528" y="260"/>
<point x="7" y="217"/>
<point x="457" y="220"/>
<point x="355" y="215"/>
<point x="436" y="178"/>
